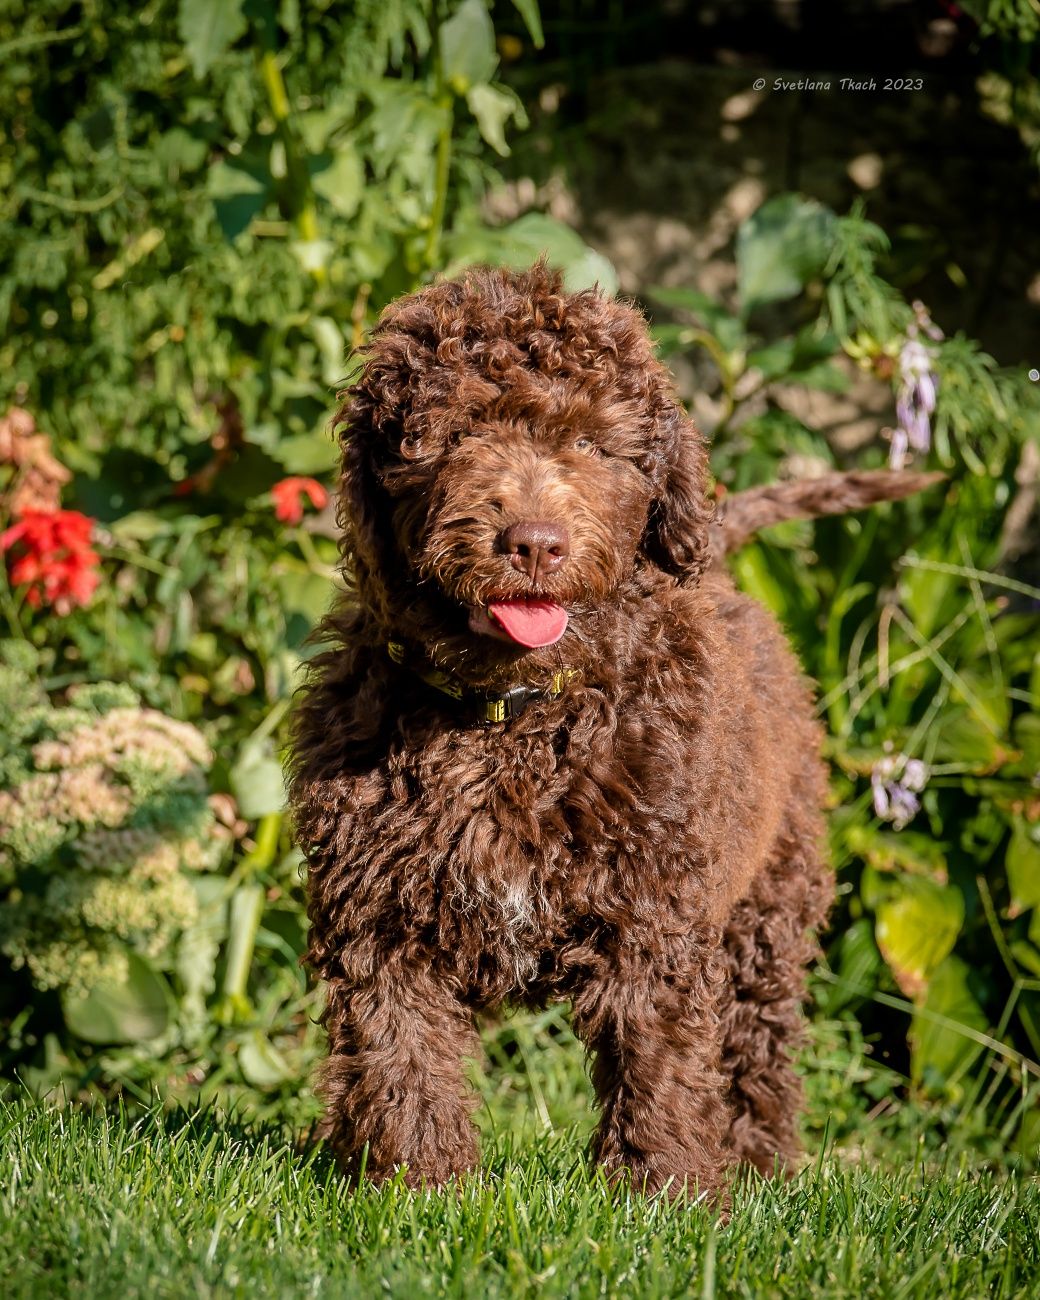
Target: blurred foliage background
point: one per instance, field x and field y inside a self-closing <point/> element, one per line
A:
<point x="206" y="203"/>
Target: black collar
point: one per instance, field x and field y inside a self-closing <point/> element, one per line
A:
<point x="489" y="706"/>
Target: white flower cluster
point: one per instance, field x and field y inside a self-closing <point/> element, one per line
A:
<point x="103" y="815"/>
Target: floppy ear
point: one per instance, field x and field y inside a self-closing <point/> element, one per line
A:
<point x="365" y="509"/>
<point x="676" y="537"/>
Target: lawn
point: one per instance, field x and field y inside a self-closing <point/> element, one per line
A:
<point x="98" y="1203"/>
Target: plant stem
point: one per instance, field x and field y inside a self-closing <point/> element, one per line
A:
<point x="260" y="857"/>
<point x="300" y="195"/>
<point x="442" y="174"/>
<point x="702" y="338"/>
<point x="247" y="911"/>
<point x="310" y="554"/>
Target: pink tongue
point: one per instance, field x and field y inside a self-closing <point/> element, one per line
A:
<point x="530" y="622"/>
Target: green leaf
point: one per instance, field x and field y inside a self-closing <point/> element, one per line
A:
<point x="774" y="360"/>
<point x="1023" y="867"/>
<point x="1026" y="731"/>
<point x="755" y="576"/>
<point x="927" y="595"/>
<point x="524" y="241"/>
<point x="131" y="1012"/>
<point x="313" y="255"/>
<point x="140" y="526"/>
<point x="910" y="851"/>
<point x="1027" y="955"/>
<point x="208" y="29"/>
<point x="916" y="925"/>
<point x="938" y="1049"/>
<point x="333" y="350"/>
<point x="825" y="377"/>
<point x="256" y="780"/>
<point x="307" y="453"/>
<point x="727" y="328"/>
<point x="468" y="46"/>
<point x="289" y="15"/>
<point x="529" y="12"/>
<point x="962" y="738"/>
<point x="261" y="1063"/>
<point x="770" y="575"/>
<point x="803" y="359"/>
<point x="780" y="248"/>
<point x="774" y="434"/>
<point x="307" y="594"/>
<point x="342" y="182"/>
<point x="238" y="196"/>
<point x="181" y="151"/>
<point x="493" y="108"/>
<point x="856" y="962"/>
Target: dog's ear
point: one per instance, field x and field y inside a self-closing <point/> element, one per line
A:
<point x="676" y="537"/>
<point x="365" y="509"/>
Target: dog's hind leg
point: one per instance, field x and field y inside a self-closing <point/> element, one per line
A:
<point x="393" y="1085"/>
<point x="768" y="944"/>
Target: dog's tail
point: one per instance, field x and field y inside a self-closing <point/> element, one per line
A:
<point x="741" y="515"/>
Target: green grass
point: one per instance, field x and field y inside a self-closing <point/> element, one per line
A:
<point x="96" y="1205"/>
<point x="905" y="1202"/>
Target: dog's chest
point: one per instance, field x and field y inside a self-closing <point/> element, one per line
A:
<point x="524" y="842"/>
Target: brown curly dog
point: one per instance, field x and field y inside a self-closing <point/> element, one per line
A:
<point x="550" y="751"/>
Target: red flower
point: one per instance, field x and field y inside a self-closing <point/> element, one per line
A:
<point x="288" y="506"/>
<point x="54" y="558"/>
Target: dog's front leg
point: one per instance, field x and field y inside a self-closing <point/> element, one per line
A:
<point x="654" y="1030"/>
<point x="394" y="1078"/>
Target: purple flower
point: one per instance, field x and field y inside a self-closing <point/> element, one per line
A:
<point x="896" y="782"/>
<point x="917" y="392"/>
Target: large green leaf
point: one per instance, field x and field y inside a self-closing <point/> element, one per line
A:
<point x="208" y="29"/>
<point x="525" y="240"/>
<point x="131" y="1012"/>
<point x="916" y="925"/>
<point x="938" y="1045"/>
<point x="780" y="248"/>
<point x="468" y="46"/>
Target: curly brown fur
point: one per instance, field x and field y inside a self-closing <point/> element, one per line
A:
<point x="646" y="845"/>
<point x="740" y="516"/>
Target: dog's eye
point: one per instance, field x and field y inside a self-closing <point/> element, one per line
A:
<point x="588" y="446"/>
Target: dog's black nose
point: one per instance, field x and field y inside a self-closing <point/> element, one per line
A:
<point x="536" y="547"/>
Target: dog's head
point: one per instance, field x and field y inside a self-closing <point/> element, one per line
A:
<point x="512" y="455"/>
